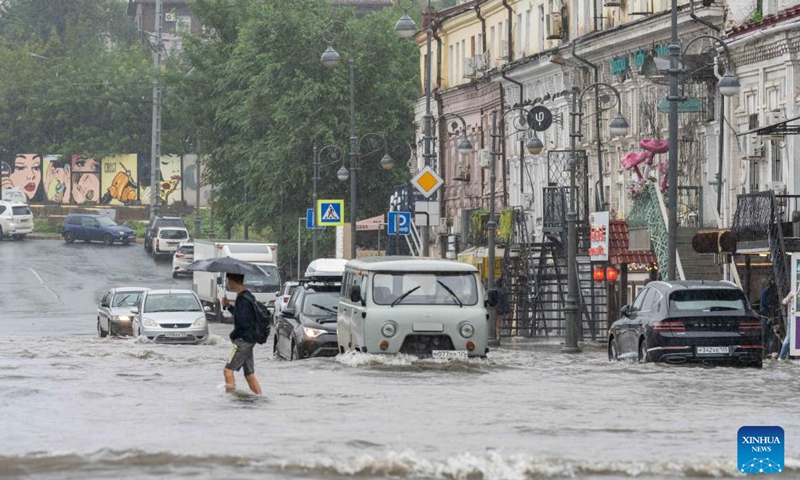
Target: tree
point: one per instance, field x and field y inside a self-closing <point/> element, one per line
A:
<point x="268" y="100"/>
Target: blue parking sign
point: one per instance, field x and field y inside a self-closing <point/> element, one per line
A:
<point x="399" y="223"/>
<point x="330" y="213"/>
<point x="310" y="220"/>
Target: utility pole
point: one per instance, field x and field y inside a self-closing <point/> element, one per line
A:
<point x="197" y="193"/>
<point x="491" y="229"/>
<point x="155" y="138"/>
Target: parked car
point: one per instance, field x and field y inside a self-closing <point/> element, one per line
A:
<point x="114" y="313"/>
<point x="155" y="224"/>
<point x="16" y="220"/>
<point x="306" y="327"/>
<point x="183" y="256"/>
<point x="282" y="297"/>
<point x="688" y="321"/>
<point x="100" y="228"/>
<point x="168" y="239"/>
<point x="170" y="316"/>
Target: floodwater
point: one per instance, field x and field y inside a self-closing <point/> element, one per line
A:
<point x="76" y="406"/>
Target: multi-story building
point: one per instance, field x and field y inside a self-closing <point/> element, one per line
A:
<point x="177" y="18"/>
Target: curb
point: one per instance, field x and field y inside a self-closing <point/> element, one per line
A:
<point x="55" y="236"/>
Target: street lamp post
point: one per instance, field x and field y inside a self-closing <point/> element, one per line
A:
<point x="617" y="126"/>
<point x="728" y="85"/>
<point x="317" y="165"/>
<point x="406" y="28"/>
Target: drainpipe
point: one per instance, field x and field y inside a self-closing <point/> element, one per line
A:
<point x="510" y="35"/>
<point x="601" y="205"/>
<point x="438" y="99"/>
<point x="720" y="155"/>
<point x="522" y="141"/>
<point x="483" y="26"/>
<point x="698" y="19"/>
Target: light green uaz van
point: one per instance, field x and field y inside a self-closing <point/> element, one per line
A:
<point x="428" y="308"/>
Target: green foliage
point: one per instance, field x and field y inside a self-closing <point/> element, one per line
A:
<point x="506" y="224"/>
<point x="259" y="98"/>
<point x="75" y="78"/>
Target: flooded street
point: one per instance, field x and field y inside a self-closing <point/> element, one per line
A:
<point x="77" y="406"/>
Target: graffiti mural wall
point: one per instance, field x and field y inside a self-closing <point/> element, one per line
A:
<point x="123" y="180"/>
<point x="85" y="180"/>
<point x="24" y="172"/>
<point x="119" y="180"/>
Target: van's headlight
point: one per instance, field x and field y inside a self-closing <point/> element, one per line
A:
<point x="389" y="329"/>
<point x="200" y="322"/>
<point x="149" y="322"/>
<point x="313" y="332"/>
<point x="466" y="330"/>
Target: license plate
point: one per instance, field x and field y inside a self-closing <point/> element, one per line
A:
<point x="712" y="350"/>
<point x="450" y="354"/>
<point x="175" y="334"/>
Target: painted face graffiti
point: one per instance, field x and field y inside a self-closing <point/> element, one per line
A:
<point x="26" y="175"/>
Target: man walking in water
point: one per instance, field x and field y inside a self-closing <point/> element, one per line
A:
<point x="243" y="335"/>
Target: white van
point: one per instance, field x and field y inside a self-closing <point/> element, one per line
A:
<point x="415" y="306"/>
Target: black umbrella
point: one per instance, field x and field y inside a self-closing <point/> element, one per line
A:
<point x="226" y="265"/>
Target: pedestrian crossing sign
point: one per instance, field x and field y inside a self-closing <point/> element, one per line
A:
<point x="330" y="213"/>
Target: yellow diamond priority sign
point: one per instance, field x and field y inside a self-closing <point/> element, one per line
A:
<point x="427" y="181"/>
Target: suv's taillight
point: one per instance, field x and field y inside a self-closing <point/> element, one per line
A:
<point x="749" y="326"/>
<point x="179" y="255"/>
<point x="669" y="326"/>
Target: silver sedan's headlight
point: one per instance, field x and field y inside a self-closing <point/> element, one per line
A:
<point x="120" y="318"/>
<point x="200" y="322"/>
<point x="149" y="322"/>
<point x="389" y="329"/>
<point x="313" y="332"/>
<point x="466" y="330"/>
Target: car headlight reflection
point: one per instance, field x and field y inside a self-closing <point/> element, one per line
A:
<point x="389" y="329"/>
<point x="466" y="330"/>
<point x="200" y="322"/>
<point x="120" y="318"/>
<point x="149" y="322"/>
<point x="313" y="332"/>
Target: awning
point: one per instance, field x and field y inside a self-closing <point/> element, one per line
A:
<point x="618" y="252"/>
<point x="777" y="129"/>
<point x="374" y="223"/>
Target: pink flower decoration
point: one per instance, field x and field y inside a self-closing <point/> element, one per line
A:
<point x="629" y="160"/>
<point x="655" y="146"/>
<point x="663" y="167"/>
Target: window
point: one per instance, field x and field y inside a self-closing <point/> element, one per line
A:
<point x="452" y="66"/>
<point x="173" y="234"/>
<point x="75" y="221"/>
<point x="21" y="210"/>
<point x="777" y="167"/>
<point x="637" y="304"/>
<point x="184" y="24"/>
<point x="755" y="176"/>
<point x="707" y="300"/>
<point x="89" y="222"/>
<point x="540" y="30"/>
<point x="492" y="50"/>
<point x="320" y="303"/>
<point x="457" y="78"/>
<point x="520" y="26"/>
<point x="528" y="33"/>
<point x="104" y="301"/>
<point x="126" y="299"/>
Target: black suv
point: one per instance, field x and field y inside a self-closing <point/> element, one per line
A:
<point x="152" y="229"/>
<point x="306" y="327"/>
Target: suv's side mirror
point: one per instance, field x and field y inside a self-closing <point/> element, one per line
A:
<point x="355" y="294"/>
<point x="288" y="312"/>
<point x="492" y="298"/>
<point x="625" y="311"/>
<point x="135" y="310"/>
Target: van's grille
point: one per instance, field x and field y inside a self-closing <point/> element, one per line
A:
<point x="425" y="344"/>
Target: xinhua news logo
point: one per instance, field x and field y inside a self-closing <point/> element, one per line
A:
<point x="761" y="449"/>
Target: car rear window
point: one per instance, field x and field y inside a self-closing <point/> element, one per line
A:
<point x="24" y="210"/>
<point x="707" y="300"/>
<point x="173" y="234"/>
<point x="186" y="250"/>
<point x="170" y="222"/>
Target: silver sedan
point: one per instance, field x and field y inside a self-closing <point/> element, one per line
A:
<point x="170" y="316"/>
<point x="114" y="313"/>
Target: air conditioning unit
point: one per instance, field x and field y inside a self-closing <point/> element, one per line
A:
<point x="776" y="116"/>
<point x="555" y="26"/>
<point x="484" y="158"/>
<point x="755" y="149"/>
<point x="481" y="62"/>
<point x="469" y="68"/>
<point x="170" y="17"/>
<point x="503" y="50"/>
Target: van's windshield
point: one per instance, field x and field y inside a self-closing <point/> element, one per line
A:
<point x="424" y="289"/>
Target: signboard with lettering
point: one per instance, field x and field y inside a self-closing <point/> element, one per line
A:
<point x="598" y="236"/>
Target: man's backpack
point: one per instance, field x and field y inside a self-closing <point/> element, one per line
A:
<point x="263" y="320"/>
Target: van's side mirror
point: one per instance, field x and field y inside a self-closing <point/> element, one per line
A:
<point x="135" y="310"/>
<point x="355" y="294"/>
<point x="207" y="309"/>
<point x="288" y="312"/>
<point x="625" y="311"/>
<point x="219" y="280"/>
<point x="492" y="298"/>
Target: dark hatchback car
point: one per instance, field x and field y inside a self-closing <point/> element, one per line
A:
<point x="306" y="327"/>
<point x="99" y="228"/>
<point x="688" y="321"/>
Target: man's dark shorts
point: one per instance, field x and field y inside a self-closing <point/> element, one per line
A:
<point x="242" y="356"/>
